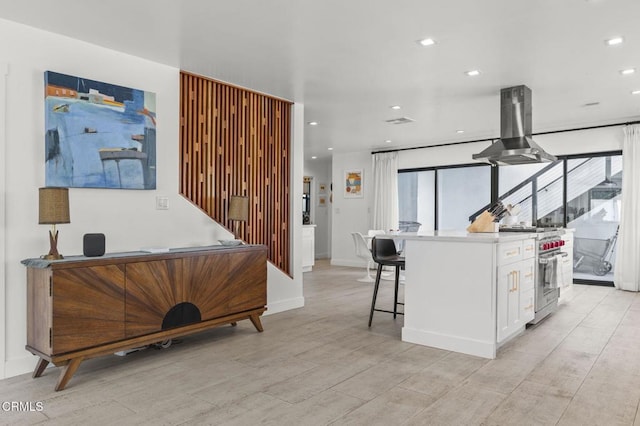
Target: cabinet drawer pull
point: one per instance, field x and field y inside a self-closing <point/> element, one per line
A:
<point x="512" y="252"/>
<point x="513" y="276"/>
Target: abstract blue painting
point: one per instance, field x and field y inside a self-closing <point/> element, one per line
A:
<point x="98" y="135"/>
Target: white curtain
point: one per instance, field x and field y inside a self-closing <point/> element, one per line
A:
<point x="627" y="268"/>
<point x="385" y="187"/>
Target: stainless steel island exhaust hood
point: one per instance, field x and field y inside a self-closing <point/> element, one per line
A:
<point x="515" y="145"/>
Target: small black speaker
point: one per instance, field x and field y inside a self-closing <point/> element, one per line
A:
<point x="93" y="245"/>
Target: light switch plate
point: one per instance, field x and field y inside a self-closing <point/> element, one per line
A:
<point x="162" y="203"/>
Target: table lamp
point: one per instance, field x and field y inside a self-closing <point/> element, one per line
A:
<point x="53" y="209"/>
<point x="238" y="211"/>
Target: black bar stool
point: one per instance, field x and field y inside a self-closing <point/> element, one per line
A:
<point x="384" y="253"/>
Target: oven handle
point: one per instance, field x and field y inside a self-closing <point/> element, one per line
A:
<point x="545" y="260"/>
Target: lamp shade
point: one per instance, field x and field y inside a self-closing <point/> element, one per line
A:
<point x="53" y="205"/>
<point x="238" y="208"/>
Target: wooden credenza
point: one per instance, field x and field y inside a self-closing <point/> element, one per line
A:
<point x="80" y="308"/>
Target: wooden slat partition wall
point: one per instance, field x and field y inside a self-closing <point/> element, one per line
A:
<point x="237" y="142"/>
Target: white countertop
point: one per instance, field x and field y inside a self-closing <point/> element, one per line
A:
<point x="462" y="236"/>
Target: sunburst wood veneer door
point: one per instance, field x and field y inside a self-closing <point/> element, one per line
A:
<point x="205" y="279"/>
<point x="232" y="282"/>
<point x="89" y="307"/>
<point x="247" y="281"/>
<point x="153" y="288"/>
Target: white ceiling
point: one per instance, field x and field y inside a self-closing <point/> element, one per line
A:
<point x="348" y="61"/>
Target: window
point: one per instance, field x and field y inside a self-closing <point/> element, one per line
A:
<point x="461" y="192"/>
<point x="538" y="189"/>
<point x="593" y="210"/>
<point x="416" y="193"/>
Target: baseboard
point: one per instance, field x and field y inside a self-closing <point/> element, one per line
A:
<point x="284" y="305"/>
<point x="16" y="367"/>
<point x="451" y="343"/>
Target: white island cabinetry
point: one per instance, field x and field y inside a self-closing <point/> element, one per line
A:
<point x="468" y="293"/>
<point x="516" y="274"/>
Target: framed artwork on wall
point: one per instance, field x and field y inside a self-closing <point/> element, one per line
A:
<point x="98" y="135"/>
<point x="322" y="201"/>
<point x="322" y="188"/>
<point x="353" y="183"/>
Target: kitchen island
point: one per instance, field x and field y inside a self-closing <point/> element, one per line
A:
<point x="467" y="292"/>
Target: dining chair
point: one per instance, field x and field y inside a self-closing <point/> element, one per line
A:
<point x="364" y="253"/>
<point x="374" y="233"/>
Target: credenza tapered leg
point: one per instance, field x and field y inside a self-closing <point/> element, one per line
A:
<point x="40" y="366"/>
<point x="67" y="372"/>
<point x="255" y="319"/>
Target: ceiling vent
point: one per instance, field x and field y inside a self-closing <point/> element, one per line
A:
<point x="401" y="120"/>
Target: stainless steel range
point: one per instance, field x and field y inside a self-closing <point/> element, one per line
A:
<point x="548" y="257"/>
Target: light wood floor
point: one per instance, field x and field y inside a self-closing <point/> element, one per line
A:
<point x="322" y="365"/>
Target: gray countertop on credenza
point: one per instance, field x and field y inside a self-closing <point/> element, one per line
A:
<point x="45" y="263"/>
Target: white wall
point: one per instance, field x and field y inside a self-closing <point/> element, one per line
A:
<point x="350" y="214"/>
<point x="284" y="293"/>
<point x="355" y="215"/>
<point x="320" y="170"/>
<point x="127" y="218"/>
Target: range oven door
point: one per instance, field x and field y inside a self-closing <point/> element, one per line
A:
<point x="547" y="290"/>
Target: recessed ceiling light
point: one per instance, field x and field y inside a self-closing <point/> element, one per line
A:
<point x="313" y="157"/>
<point x="426" y="42"/>
<point x="330" y="149"/>
<point x="614" y="41"/>
<point x="313" y="123"/>
<point x="472" y="73"/>
<point x="628" y="71"/>
<point x="459" y="131"/>
<point x="636" y="92"/>
<point x="395" y="107"/>
<point x="388" y="141"/>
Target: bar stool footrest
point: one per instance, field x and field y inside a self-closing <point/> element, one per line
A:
<point x="389" y="312"/>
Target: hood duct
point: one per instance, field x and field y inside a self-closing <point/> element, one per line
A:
<point x="515" y="145"/>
